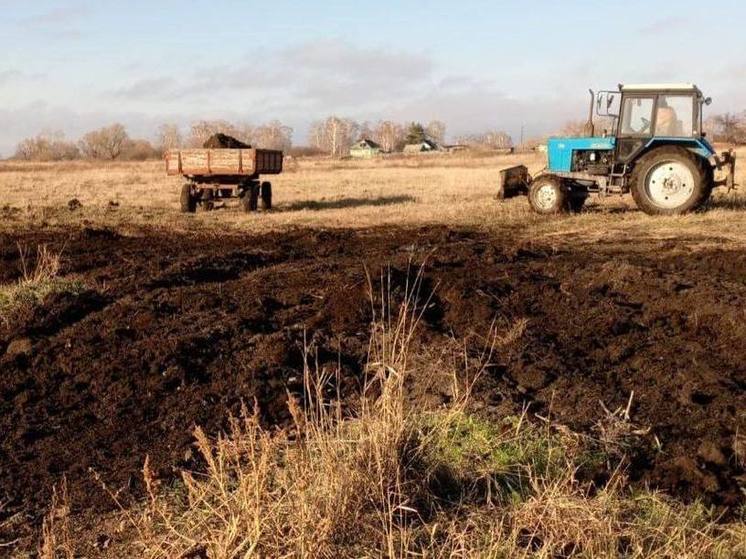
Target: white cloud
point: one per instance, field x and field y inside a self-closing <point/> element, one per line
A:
<point x="15" y="76"/>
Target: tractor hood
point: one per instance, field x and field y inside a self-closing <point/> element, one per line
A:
<point x="560" y="150"/>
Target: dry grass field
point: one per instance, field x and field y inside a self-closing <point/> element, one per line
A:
<point x="390" y="363"/>
<point x="451" y="190"/>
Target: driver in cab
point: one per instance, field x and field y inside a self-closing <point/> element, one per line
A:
<point x="666" y="120"/>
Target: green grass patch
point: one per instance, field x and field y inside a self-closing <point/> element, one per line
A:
<point x="495" y="459"/>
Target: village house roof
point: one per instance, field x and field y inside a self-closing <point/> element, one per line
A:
<point x="425" y="145"/>
<point x="366" y="143"/>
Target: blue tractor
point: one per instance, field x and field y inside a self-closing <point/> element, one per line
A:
<point x="657" y="151"/>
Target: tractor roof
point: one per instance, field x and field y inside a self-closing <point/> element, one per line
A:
<point x="688" y="87"/>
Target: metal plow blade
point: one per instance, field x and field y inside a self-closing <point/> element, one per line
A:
<point x="513" y="182"/>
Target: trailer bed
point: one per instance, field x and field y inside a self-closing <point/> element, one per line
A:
<point x="223" y="162"/>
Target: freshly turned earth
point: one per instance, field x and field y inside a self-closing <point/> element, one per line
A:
<point x="178" y="331"/>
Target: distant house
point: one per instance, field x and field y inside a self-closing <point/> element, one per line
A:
<point x="365" y="149"/>
<point x="455" y="148"/>
<point x="426" y="146"/>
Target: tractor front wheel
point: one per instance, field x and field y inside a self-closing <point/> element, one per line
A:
<point x="547" y="195"/>
<point x="670" y="181"/>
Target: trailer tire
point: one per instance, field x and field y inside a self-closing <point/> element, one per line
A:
<point x="266" y="195"/>
<point x="250" y="199"/>
<point x="548" y="195"/>
<point x="207" y="199"/>
<point x="670" y="180"/>
<point x="188" y="201"/>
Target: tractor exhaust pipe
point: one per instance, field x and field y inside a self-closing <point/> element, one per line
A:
<point x="589" y="128"/>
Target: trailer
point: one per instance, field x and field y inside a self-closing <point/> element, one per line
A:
<point x="214" y="174"/>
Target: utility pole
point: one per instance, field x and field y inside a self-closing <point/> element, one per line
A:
<point x="522" y="127"/>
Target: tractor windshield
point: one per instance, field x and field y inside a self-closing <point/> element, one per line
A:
<point x="637" y="116"/>
<point x="675" y="116"/>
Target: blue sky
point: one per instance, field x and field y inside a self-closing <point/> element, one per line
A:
<point x="74" y="65"/>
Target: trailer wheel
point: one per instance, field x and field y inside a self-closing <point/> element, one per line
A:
<point x="250" y="199"/>
<point x="669" y="181"/>
<point x="188" y="201"/>
<point x="266" y="195"/>
<point x="207" y="199"/>
<point x="547" y="195"/>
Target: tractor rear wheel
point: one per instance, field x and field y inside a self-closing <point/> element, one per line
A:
<point x="547" y="195"/>
<point x="188" y="201"/>
<point x="670" y="181"/>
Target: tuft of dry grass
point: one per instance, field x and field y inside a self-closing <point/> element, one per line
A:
<point x="56" y="541"/>
<point x="37" y="282"/>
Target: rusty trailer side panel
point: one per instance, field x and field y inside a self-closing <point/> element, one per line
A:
<point x="223" y="162"/>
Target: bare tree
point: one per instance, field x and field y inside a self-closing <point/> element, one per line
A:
<point x="573" y="129"/>
<point x="169" y="137"/>
<point x="244" y="132"/>
<point x="316" y="135"/>
<point x="581" y="128"/>
<point x="365" y="131"/>
<point x="47" y="147"/>
<point x="139" y="150"/>
<point x="727" y="127"/>
<point x="105" y="143"/>
<point x="436" y="131"/>
<point x="492" y="139"/>
<point x="273" y="135"/>
<point x="388" y="134"/>
<point x="334" y="135"/>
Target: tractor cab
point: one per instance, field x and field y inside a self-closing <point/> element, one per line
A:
<point x="652" y="146"/>
<point x="654" y="113"/>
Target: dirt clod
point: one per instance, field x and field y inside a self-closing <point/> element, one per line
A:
<point x="711" y="453"/>
<point x="19" y="346"/>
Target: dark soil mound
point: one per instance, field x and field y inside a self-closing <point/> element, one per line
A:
<point x="223" y="141"/>
<point x="187" y="329"/>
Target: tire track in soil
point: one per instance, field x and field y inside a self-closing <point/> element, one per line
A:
<point x="183" y="329"/>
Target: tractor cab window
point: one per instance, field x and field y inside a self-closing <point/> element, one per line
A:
<point x="675" y="116"/>
<point x="637" y="116"/>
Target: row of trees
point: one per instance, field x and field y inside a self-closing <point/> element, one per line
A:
<point x="114" y="143"/>
<point x="333" y="136"/>
<point x="272" y="135"/>
<point x="110" y="142"/>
